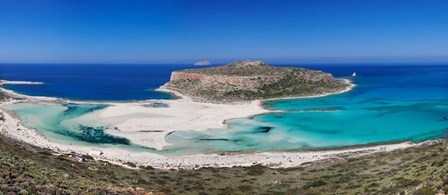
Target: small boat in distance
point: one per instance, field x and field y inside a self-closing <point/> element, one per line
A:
<point x="354" y="74"/>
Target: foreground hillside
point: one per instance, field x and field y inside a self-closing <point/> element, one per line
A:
<point x="252" y="80"/>
<point x="25" y="169"/>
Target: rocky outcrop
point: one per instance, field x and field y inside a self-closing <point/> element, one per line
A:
<point x="250" y="80"/>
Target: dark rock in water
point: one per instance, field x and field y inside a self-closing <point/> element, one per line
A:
<point x="81" y="109"/>
<point x="95" y="135"/>
<point x="264" y="129"/>
<point x="150" y="131"/>
<point x="214" y="139"/>
<point x="70" y="108"/>
<point x="219" y="139"/>
<point x="170" y="133"/>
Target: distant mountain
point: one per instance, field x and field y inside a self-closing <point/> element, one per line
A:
<point x="203" y="63"/>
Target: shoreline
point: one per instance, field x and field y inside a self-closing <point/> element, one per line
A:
<point x="6" y="82"/>
<point x="346" y="89"/>
<point x="13" y="128"/>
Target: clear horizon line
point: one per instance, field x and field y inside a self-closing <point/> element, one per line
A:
<point x="392" y="59"/>
<point x="220" y="63"/>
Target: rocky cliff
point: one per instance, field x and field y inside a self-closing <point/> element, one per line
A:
<point x="251" y="80"/>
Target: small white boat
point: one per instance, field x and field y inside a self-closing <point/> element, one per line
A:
<point x="354" y="74"/>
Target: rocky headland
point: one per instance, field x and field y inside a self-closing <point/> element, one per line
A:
<point x="252" y="80"/>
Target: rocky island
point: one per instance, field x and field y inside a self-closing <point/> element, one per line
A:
<point x="203" y="63"/>
<point x="252" y="80"/>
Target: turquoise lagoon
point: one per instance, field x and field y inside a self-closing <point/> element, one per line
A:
<point x="65" y="124"/>
<point x="389" y="104"/>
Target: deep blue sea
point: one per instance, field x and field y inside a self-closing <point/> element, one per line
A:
<point x="91" y="81"/>
<point x="390" y="103"/>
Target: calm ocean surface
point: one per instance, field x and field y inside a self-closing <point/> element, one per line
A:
<point x="390" y="103"/>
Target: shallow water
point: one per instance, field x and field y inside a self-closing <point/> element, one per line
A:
<point x="65" y="124"/>
<point x="390" y="103"/>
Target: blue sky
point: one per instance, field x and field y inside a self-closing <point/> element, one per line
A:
<point x="185" y="31"/>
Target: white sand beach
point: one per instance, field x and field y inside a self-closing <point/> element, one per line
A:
<point x="147" y="126"/>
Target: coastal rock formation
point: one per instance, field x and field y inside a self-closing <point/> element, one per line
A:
<point x="251" y="80"/>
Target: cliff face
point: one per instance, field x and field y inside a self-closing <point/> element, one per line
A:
<point x="250" y="80"/>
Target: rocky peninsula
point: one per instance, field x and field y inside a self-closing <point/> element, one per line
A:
<point x="252" y="80"/>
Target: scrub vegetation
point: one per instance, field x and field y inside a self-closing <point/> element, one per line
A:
<point x="26" y="169"/>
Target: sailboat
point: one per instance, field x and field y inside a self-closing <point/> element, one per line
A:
<point x="354" y="74"/>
